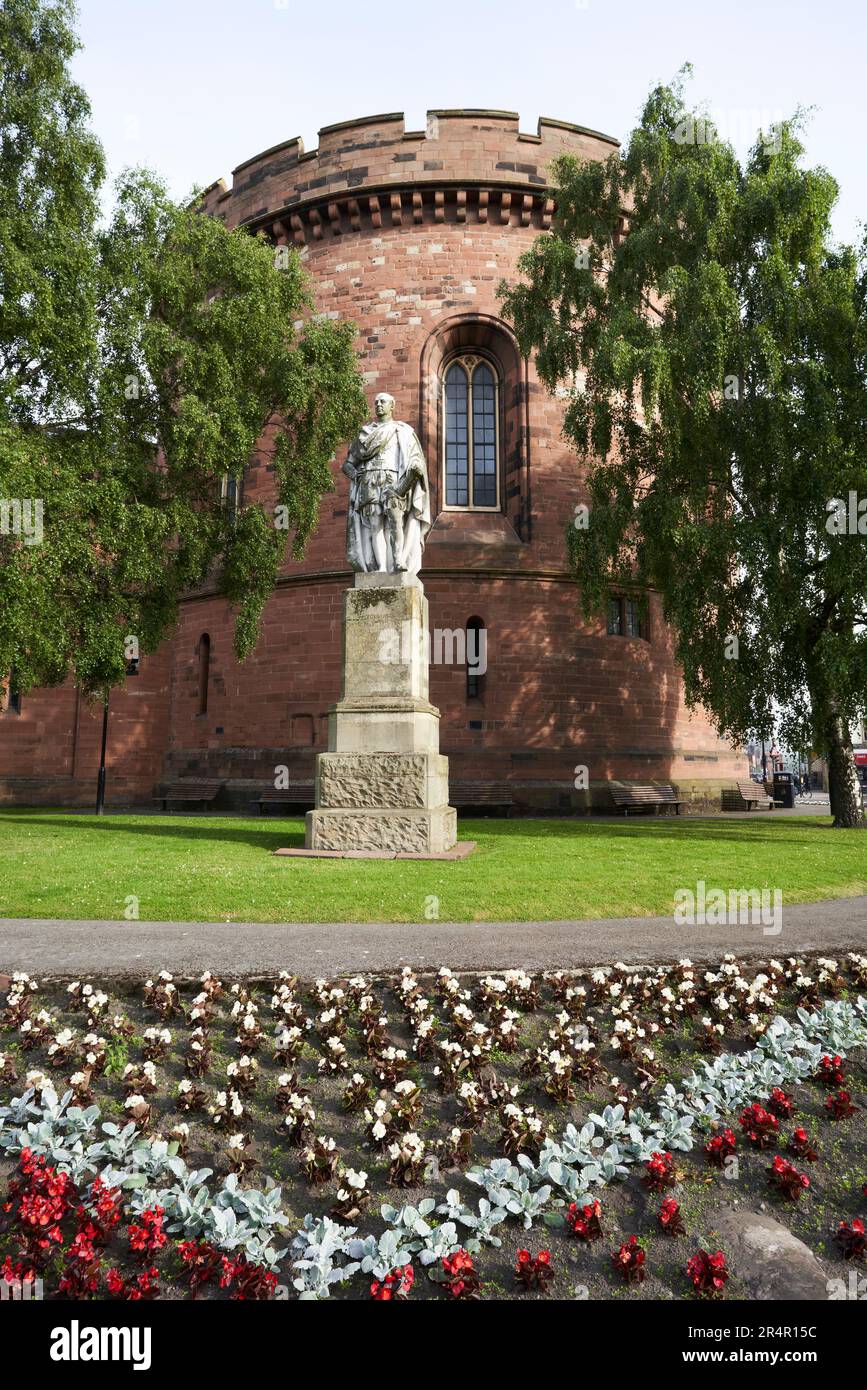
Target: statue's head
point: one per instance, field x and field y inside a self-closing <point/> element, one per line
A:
<point x="383" y="406"/>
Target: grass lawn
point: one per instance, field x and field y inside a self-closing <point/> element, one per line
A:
<point x="209" y="868"/>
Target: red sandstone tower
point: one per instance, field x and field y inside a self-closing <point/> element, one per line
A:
<point x="408" y="233"/>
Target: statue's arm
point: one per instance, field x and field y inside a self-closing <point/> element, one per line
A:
<point x="349" y="468"/>
<point x="415" y="469"/>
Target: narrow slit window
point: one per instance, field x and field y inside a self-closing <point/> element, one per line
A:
<point x="477" y="660"/>
<point x="204" y="671"/>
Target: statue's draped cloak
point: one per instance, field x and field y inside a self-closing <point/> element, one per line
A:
<point x="384" y="454"/>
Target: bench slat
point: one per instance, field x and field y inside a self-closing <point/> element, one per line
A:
<point x="473" y="792"/>
<point x="481" y="794"/>
<point x="753" y="794"/>
<point x="191" y="789"/>
<point x="294" y="789"/>
<point x="641" y="794"/>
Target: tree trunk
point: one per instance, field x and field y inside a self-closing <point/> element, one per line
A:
<point x="834" y="741"/>
<point x="843" y="785"/>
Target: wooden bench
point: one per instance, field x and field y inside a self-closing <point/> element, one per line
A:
<point x="191" y="789"/>
<point x="750" y="794"/>
<point x="640" y="796"/>
<point x="463" y="794"/>
<point x="296" y="794"/>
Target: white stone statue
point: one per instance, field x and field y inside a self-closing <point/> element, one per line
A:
<point x="389" y="495"/>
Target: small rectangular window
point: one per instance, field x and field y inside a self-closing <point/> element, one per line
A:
<point x="625" y="618"/>
<point x="632" y="614"/>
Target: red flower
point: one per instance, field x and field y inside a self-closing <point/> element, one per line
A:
<point x="721" y="1147"/>
<point x="202" y="1262"/>
<point x="785" y="1177"/>
<point x="584" y="1221"/>
<point x="759" y="1125"/>
<point x="81" y="1269"/>
<point x="461" y="1279"/>
<point x="629" y="1260"/>
<point x="104" y="1210"/>
<point x="253" y="1281"/>
<point x="830" y="1072"/>
<point x="143" y="1286"/>
<point x="148" y="1237"/>
<point x="852" y="1240"/>
<point x="780" y="1104"/>
<point x="669" y="1217"/>
<point x="39" y="1198"/>
<point x="708" y="1272"/>
<point x="839" y="1105"/>
<point x="396" y="1284"/>
<point x="660" y="1172"/>
<point x="533" y="1273"/>
<point x="800" y="1146"/>
<point x="18" y="1273"/>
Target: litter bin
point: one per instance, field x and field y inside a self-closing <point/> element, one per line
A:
<point x="784" y="788"/>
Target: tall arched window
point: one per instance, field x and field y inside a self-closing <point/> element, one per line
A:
<point x="471" y="443"/>
<point x="204" y="671"/>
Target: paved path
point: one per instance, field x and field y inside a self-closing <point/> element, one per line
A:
<point x="188" y="948"/>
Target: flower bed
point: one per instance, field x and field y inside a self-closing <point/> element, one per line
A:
<point x="503" y="1136"/>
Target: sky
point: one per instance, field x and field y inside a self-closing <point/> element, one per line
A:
<point x="192" y="88"/>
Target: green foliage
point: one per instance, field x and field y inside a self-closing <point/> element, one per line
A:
<point x="140" y="361"/>
<point x="117" y="1056"/>
<point x="714" y="364"/>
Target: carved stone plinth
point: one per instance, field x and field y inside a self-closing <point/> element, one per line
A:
<point x="383" y="784"/>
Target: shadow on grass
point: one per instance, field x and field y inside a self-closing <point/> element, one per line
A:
<point x="274" y="838"/>
<point x="288" y="832"/>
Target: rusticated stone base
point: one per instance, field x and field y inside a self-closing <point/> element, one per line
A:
<point x="462" y="850"/>
<point x="406" y="831"/>
<point x="382" y="781"/>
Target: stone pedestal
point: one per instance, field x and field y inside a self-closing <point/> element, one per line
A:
<point x="383" y="784"/>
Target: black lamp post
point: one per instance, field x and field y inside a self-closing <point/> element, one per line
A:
<point x="100" y="781"/>
<point x="131" y="670"/>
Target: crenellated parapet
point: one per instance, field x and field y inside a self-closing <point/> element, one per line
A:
<point x="368" y="174"/>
